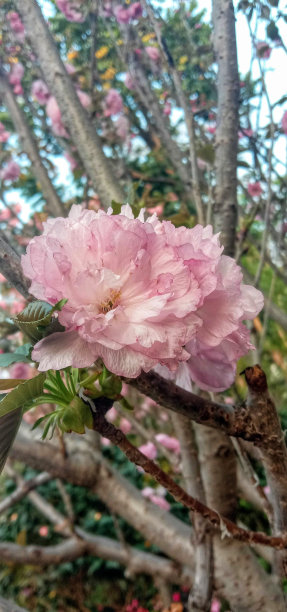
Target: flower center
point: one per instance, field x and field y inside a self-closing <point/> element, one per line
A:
<point x="111" y="301"/>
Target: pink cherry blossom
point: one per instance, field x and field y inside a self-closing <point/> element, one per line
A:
<point x="15" y="77"/>
<point x="40" y="91"/>
<point x="168" y="442"/>
<point x="254" y="189"/>
<point x="21" y="370"/>
<point x="284" y="122"/>
<point x="54" y="113"/>
<point x="125" y="425"/>
<point x="84" y="98"/>
<point x="135" y="10"/>
<point x="43" y="531"/>
<point x="70" y="8"/>
<point x="138" y="293"/>
<point x="113" y="103"/>
<point x="122" y="14"/>
<point x="221" y="338"/>
<point x="263" y="50"/>
<point x="16" y="26"/>
<point x="4" y="135"/>
<point x="129" y="82"/>
<point x="215" y="605"/>
<point x="167" y="108"/>
<point x="11" y="171"/>
<point x="153" y="53"/>
<point x="72" y="161"/>
<point x="149" y="450"/>
<point x="176" y="597"/>
<point x="160" y="502"/>
<point x="122" y="127"/>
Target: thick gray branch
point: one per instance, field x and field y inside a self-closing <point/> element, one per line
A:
<point x="74" y="116"/>
<point x="10" y="266"/>
<point x="226" y="141"/>
<point x="30" y="147"/>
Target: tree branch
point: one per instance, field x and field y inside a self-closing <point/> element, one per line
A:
<point x="74" y="116"/>
<point x="226" y="138"/>
<point x="10" y="267"/>
<point x="30" y="147"/>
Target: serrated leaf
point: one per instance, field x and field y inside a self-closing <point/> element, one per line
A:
<point x="36" y="316"/>
<point x="11" y="409"/>
<point x="25" y="392"/>
<point x="9" y="425"/>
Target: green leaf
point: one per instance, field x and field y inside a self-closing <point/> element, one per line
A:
<point x="10" y="383"/>
<point x="116" y="206"/>
<point x="77" y="416"/>
<point x="21" y="355"/>
<point x="25" y="392"/>
<point x="9" y="425"/>
<point x="36" y="316"/>
<point x="11" y="408"/>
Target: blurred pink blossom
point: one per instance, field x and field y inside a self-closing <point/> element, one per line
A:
<point x="125" y="425"/>
<point x="167" y="108"/>
<point x="176" y="597"/>
<point x="70" y="9"/>
<point x="153" y="53"/>
<point x="43" y="531"/>
<point x="122" y="14"/>
<point x="15" y="77"/>
<point x="72" y="161"/>
<point x="263" y="50"/>
<point x="40" y="91"/>
<point x="16" y="25"/>
<point x="135" y="10"/>
<point x="254" y="189"/>
<point x="122" y="127"/>
<point x="149" y="450"/>
<point x="113" y="103"/>
<point x="4" y="135"/>
<point x="54" y="113"/>
<point x="21" y="370"/>
<point x="168" y="442"/>
<point x="129" y="82"/>
<point x="11" y="171"/>
<point x="84" y="98"/>
<point x="215" y="605"/>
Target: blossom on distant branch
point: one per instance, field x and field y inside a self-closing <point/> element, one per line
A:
<point x="40" y="91"/>
<point x="153" y="53"/>
<point x="70" y="8"/>
<point x="4" y="135"/>
<point x="54" y="113"/>
<point x="113" y="103"/>
<point x="140" y="293"/>
<point x="16" y="25"/>
<point x="15" y="77"/>
<point x="263" y="50"/>
<point x="254" y="189"/>
<point x="11" y="171"/>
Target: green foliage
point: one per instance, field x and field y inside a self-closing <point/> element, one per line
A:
<point x="36" y="317"/>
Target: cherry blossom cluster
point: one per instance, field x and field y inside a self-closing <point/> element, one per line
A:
<point x="141" y="294"/>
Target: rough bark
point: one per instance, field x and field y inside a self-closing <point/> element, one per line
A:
<point x="10" y="266"/>
<point x="272" y="448"/>
<point x="30" y="147"/>
<point x="226" y="140"/>
<point x="85" y="467"/>
<point x="74" y="116"/>
<point x="238" y="575"/>
<point x="200" y="595"/>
